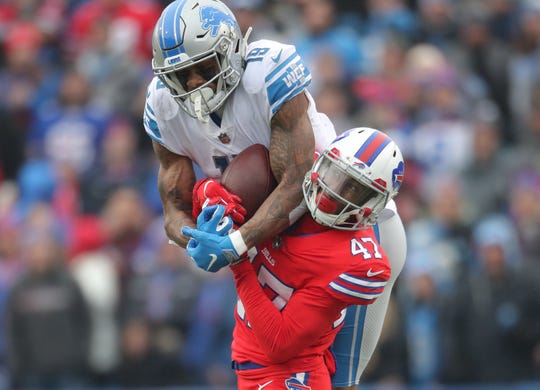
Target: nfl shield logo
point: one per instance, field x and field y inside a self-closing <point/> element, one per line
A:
<point x="224" y="138"/>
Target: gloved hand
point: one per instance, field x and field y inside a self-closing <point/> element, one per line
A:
<point x="208" y="192"/>
<point x="212" y="251"/>
<point x="212" y="220"/>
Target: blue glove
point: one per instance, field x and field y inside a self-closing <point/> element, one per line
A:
<point x="205" y="256"/>
<point x="212" y="219"/>
<point x="210" y="250"/>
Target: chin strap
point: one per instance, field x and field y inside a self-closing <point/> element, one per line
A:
<point x="210" y="100"/>
<point x="197" y="98"/>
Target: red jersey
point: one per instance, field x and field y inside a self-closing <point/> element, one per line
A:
<point x="294" y="292"/>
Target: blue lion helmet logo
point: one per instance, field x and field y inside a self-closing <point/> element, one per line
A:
<point x="212" y="18"/>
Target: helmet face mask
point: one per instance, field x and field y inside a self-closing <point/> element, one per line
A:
<point x="177" y="80"/>
<point x="204" y="95"/>
<point x="343" y="191"/>
<point x="198" y="35"/>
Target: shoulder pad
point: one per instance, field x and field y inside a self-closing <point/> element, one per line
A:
<point x="159" y="105"/>
<point x="277" y="69"/>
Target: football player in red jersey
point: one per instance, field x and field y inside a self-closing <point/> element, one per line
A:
<point x="295" y="288"/>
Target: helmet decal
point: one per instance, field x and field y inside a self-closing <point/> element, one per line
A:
<point x="212" y="18"/>
<point x="397" y="176"/>
<point x="359" y="164"/>
<point x="172" y="31"/>
<point x="372" y="148"/>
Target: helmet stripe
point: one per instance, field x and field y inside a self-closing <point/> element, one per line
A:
<point x="373" y="146"/>
<point x="167" y="19"/>
<point x="171" y="27"/>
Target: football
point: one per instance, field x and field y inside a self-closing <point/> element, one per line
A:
<point x="249" y="176"/>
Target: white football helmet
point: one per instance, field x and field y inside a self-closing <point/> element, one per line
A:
<point x="351" y="182"/>
<point x="194" y="32"/>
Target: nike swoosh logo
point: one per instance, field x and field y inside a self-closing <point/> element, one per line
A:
<point x="265" y="384"/>
<point x="277" y="57"/>
<point x="370" y="273"/>
<point x="213" y="259"/>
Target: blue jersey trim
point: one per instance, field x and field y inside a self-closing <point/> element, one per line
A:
<point x="271" y="75"/>
<point x="153" y="137"/>
<point x="151" y="125"/>
<point x="286" y="81"/>
<point x="277" y="105"/>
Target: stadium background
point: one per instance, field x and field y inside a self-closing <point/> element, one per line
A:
<point x="108" y="304"/>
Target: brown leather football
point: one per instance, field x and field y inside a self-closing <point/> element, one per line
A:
<point x="249" y="176"/>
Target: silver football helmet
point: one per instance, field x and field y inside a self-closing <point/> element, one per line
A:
<point x="351" y="182"/>
<point x="202" y="35"/>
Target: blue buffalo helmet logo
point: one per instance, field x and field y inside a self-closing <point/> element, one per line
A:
<point x="212" y="18"/>
<point x="397" y="175"/>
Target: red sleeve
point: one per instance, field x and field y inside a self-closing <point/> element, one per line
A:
<point x="306" y="317"/>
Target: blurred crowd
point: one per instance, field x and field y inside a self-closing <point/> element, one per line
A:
<point x="92" y="294"/>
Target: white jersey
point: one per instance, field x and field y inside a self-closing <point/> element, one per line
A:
<point x="274" y="74"/>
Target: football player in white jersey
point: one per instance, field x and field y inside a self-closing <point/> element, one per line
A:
<point x="212" y="96"/>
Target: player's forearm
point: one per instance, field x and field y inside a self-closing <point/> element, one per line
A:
<point x="173" y="226"/>
<point x="176" y="203"/>
<point x="292" y="145"/>
<point x="273" y="217"/>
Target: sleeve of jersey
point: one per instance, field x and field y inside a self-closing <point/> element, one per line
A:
<point x="360" y="286"/>
<point x="149" y="117"/>
<point x="282" y="334"/>
<point x="286" y="77"/>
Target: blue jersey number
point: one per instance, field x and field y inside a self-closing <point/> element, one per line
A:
<point x="221" y="163"/>
<point x="257" y="54"/>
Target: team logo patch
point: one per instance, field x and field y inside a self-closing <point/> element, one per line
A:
<point x="397" y="175"/>
<point x="295" y="384"/>
<point x="359" y="164"/>
<point x="212" y="18"/>
<point x="224" y="138"/>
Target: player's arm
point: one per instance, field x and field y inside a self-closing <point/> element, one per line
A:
<point x="292" y="145"/>
<point x="176" y="179"/>
<point x="283" y="334"/>
<point x="308" y="314"/>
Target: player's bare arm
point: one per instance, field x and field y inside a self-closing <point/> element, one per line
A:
<point x="176" y="178"/>
<point x="292" y="146"/>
